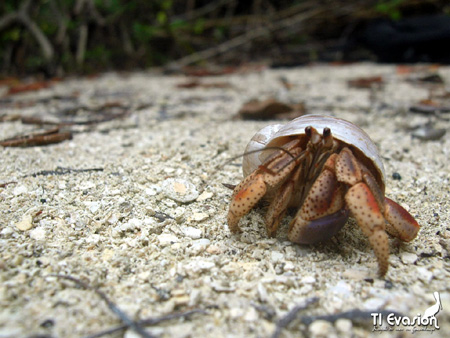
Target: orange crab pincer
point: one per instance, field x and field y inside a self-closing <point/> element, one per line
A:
<point x="328" y="169"/>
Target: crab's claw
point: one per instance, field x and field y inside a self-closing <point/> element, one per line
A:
<point x="318" y="230"/>
<point x="250" y="191"/>
<point x="244" y="198"/>
<point x="364" y="208"/>
<point x="401" y="224"/>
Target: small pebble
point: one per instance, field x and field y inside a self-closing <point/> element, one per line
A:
<point x="204" y="196"/>
<point x="197" y="266"/>
<point x="428" y="133"/>
<point x="408" y="258"/>
<point x="199" y="216"/>
<point x="179" y="190"/>
<point x="289" y="266"/>
<point x="320" y="328"/>
<point x="341" y="288"/>
<point x="276" y="256"/>
<point x="343" y="325"/>
<point x="236" y="312"/>
<point x="107" y="254"/>
<point x="195" y="297"/>
<point x="222" y="287"/>
<point x="424" y="274"/>
<point x="214" y="250"/>
<point x="167" y="239"/>
<point x="374" y="303"/>
<point x="152" y="190"/>
<point x="26" y="223"/>
<point x="132" y="334"/>
<point x="192" y="232"/>
<point x="6" y="232"/>
<point x="308" y="280"/>
<point x="19" y="190"/>
<point x="355" y="274"/>
<point x="181" y="300"/>
<point x="199" y="245"/>
<point x="38" y="234"/>
<point x="396" y="176"/>
<point x="262" y="292"/>
<point x="251" y="315"/>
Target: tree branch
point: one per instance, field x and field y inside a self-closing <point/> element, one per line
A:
<point x="82" y="43"/>
<point x="44" y="43"/>
<point x="243" y="39"/>
<point x="202" y="11"/>
<point x="7" y="20"/>
<point x="21" y="16"/>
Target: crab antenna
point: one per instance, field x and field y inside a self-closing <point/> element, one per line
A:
<point x="257" y="151"/>
<point x="302" y="153"/>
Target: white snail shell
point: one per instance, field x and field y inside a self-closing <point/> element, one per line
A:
<point x="346" y="132"/>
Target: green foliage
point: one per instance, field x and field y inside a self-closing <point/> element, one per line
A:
<point x="219" y="33"/>
<point x="11" y="35"/>
<point x="390" y="8"/>
<point x="143" y="32"/>
<point x="161" y="18"/>
<point x="199" y="26"/>
<point x="179" y="25"/>
<point x="97" y="57"/>
<point x="130" y="33"/>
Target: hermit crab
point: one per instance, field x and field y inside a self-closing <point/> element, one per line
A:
<point x="327" y="169"/>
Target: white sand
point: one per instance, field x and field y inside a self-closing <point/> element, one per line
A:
<point x="101" y="226"/>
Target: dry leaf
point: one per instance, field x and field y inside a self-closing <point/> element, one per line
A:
<point x="366" y="82"/>
<point x="270" y="109"/>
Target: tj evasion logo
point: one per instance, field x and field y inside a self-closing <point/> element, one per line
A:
<point x="425" y="322"/>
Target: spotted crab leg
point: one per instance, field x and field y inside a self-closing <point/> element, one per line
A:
<point x="322" y="214"/>
<point x="364" y="206"/>
<point x="371" y="209"/>
<point x="401" y="224"/>
<point x="365" y="210"/>
<point x="280" y="203"/>
<point x="244" y="198"/>
<point x="274" y="170"/>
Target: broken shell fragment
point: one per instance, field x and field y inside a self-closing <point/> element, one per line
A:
<point x="428" y="133"/>
<point x="180" y="190"/>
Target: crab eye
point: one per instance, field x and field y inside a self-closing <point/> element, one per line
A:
<point x="326" y="132"/>
<point x="308" y="131"/>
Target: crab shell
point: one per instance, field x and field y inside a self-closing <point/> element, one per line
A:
<point x="346" y="132"/>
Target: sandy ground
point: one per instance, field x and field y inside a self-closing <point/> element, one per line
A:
<point x="123" y="229"/>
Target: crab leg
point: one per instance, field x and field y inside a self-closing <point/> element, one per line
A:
<point x="280" y="203"/>
<point x="364" y="208"/>
<point x="254" y="186"/>
<point x="401" y="224"/>
<point x="278" y="208"/>
<point x="244" y="198"/>
<point x="318" y="230"/>
<point x="322" y="214"/>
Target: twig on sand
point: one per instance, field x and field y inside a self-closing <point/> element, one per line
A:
<point x="127" y="321"/>
<point x="62" y="171"/>
<point x="51" y="136"/>
<point x="291" y="315"/>
<point x="149" y="321"/>
<point x="354" y="314"/>
<point x="137" y="326"/>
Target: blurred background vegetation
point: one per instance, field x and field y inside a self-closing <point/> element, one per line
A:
<point x="58" y="37"/>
